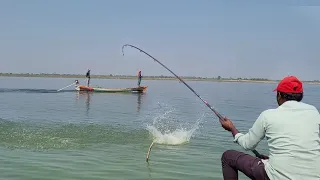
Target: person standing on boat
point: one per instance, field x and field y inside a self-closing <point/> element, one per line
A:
<point x="292" y="132"/>
<point x="88" y="76"/>
<point x="139" y="77"/>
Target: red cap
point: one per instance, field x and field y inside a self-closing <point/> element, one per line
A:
<point x="290" y="84"/>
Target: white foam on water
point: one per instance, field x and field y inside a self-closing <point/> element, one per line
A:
<point x="179" y="136"/>
<point x="162" y="135"/>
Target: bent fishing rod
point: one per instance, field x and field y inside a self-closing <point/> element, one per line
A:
<point x="181" y="80"/>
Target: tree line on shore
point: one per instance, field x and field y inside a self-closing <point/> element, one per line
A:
<point x="131" y="76"/>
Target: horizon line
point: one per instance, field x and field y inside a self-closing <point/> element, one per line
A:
<point x="149" y="76"/>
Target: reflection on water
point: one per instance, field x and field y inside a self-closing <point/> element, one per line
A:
<point x="88" y="99"/>
<point x="87" y="96"/>
<point x="139" y="95"/>
<point x="149" y="171"/>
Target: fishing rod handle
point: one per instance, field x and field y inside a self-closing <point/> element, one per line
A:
<point x="256" y="153"/>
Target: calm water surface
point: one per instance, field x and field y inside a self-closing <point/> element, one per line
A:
<point x="46" y="134"/>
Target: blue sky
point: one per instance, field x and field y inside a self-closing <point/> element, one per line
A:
<point x="193" y="38"/>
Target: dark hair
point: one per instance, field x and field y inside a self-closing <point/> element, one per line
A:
<point x="292" y="96"/>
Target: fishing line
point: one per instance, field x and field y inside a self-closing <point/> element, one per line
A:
<point x="205" y="102"/>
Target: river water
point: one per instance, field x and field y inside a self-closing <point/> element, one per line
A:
<point x="45" y="134"/>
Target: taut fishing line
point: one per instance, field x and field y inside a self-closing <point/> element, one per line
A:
<point x="181" y="80"/>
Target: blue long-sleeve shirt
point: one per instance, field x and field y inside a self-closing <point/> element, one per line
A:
<point x="292" y="132"/>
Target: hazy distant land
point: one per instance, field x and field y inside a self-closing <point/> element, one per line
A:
<point x="213" y="79"/>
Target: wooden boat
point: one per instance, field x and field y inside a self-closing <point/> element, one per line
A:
<point x="141" y="89"/>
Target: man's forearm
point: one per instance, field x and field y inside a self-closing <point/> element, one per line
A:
<point x="234" y="131"/>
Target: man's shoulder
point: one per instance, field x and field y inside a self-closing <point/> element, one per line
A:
<point x="308" y="106"/>
<point x="268" y="111"/>
<point x="294" y="105"/>
<point x="300" y="105"/>
<point x="266" y="114"/>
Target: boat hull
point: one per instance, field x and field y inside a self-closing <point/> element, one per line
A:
<point x="141" y="89"/>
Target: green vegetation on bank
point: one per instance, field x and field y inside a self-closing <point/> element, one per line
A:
<point x="111" y="76"/>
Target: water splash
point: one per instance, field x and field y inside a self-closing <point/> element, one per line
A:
<point x="164" y="129"/>
<point x="179" y="136"/>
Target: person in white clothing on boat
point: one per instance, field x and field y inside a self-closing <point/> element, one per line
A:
<point x="292" y="133"/>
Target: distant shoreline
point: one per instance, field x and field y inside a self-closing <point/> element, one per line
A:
<point x="128" y="77"/>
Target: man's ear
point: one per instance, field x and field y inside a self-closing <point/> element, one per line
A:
<point x="278" y="96"/>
